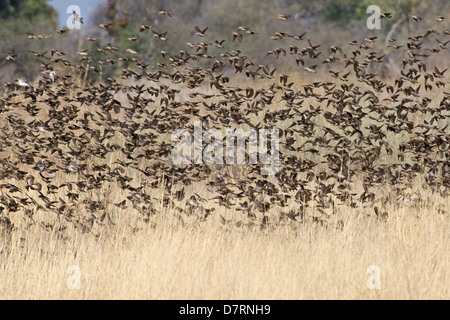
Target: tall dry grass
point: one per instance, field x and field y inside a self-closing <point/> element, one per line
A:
<point x="166" y="260"/>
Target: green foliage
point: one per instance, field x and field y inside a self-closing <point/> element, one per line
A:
<point x="344" y="11"/>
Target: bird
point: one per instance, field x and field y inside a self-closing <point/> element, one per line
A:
<point x="131" y="51"/>
<point x="82" y="52"/>
<point x="299" y="60"/>
<point x="11" y="57"/>
<point x="165" y="13"/>
<point x="22" y="83"/>
<point x="284" y="17"/>
<point x="106" y="26"/>
<point x="311" y="69"/>
<point x="53" y="74"/>
<point x="62" y="31"/>
<point x="144" y="27"/>
<point x="237" y="35"/>
<point x="160" y="36"/>
<point x="219" y="44"/>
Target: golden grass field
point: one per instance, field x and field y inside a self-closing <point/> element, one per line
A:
<point x="165" y="260"/>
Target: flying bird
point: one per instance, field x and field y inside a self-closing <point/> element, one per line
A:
<point x="165" y="13"/>
<point x="62" y="31"/>
<point x="284" y="17"/>
<point x="106" y="26"/>
<point x="22" y="83"/>
<point x="144" y="27"/>
<point x="237" y="35"/>
<point x="311" y="69"/>
<point x="53" y="74"/>
<point x="11" y="57"/>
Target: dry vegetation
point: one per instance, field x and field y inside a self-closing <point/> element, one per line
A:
<point x="212" y="261"/>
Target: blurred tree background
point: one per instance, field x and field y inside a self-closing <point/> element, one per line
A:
<point x="326" y="22"/>
<point x="17" y="17"/>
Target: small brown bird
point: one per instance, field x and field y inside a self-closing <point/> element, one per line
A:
<point x="131" y="51"/>
<point x="284" y="17"/>
<point x="237" y="35"/>
<point x="106" y="26"/>
<point x="62" y="31"/>
<point x="199" y="32"/>
<point x="416" y="18"/>
<point x="300" y="37"/>
<point x="299" y="60"/>
<point x="430" y="31"/>
<point x="11" y="57"/>
<point x="335" y="49"/>
<point x="442" y="45"/>
<point x="311" y="69"/>
<point x="22" y="83"/>
<point x="76" y="17"/>
<point x="218" y="44"/>
<point x="165" y="13"/>
<point x="160" y="36"/>
<point x="144" y="27"/>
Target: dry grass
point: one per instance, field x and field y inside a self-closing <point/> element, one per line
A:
<point x="165" y="260"/>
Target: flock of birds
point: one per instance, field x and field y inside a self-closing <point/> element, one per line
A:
<point x="63" y="145"/>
